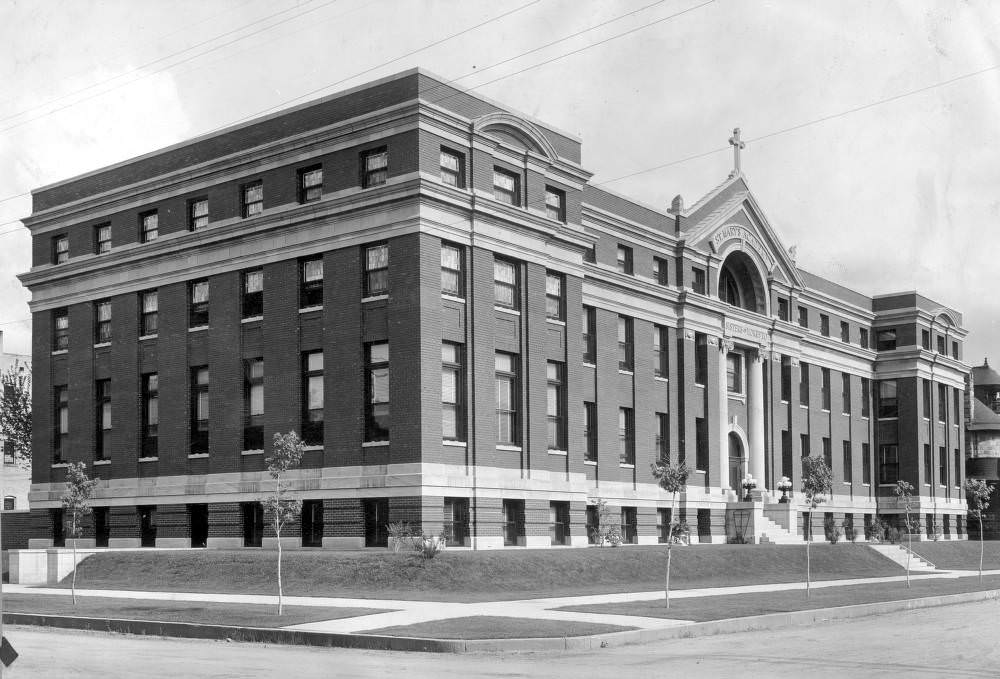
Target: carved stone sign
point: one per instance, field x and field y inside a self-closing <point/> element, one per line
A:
<point x="734" y="329"/>
<point x="741" y="233"/>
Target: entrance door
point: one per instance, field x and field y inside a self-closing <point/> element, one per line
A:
<point x="312" y="523"/>
<point x="198" y="524"/>
<point x="376" y="520"/>
<point x="737" y="462"/>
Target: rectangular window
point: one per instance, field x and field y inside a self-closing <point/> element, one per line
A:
<point x="888" y="406"/>
<point x="456" y="520"/>
<point x="786" y="379"/>
<point x="783" y="309"/>
<point x="848" y="467"/>
<point x="149" y="226"/>
<point x="940" y="344"/>
<point x="197" y="214"/>
<point x="628" y="526"/>
<point x="559" y="523"/>
<point x="310" y="184"/>
<point x="199" y="410"/>
<point x="661" y="440"/>
<point x="253" y="404"/>
<point x="866" y="464"/>
<point x="954" y="350"/>
<point x="734" y="373"/>
<point x="60" y="330"/>
<point x="102" y="322"/>
<point x="377" y="392"/>
<point x="925" y="339"/>
<point x="928" y="464"/>
<point x="198" y="304"/>
<point x="252" y="302"/>
<point x="506" y="284"/>
<point x="60" y="249"/>
<point x="556" y="405"/>
<point x="554" y="296"/>
<point x="451" y="270"/>
<point x="958" y="467"/>
<point x="150" y="414"/>
<point x="805" y="449"/>
<point x="149" y="313"/>
<point x="804" y="383"/>
<point x="311" y="283"/>
<point x="863" y="340"/>
<point x="589" y="335"/>
<point x="956" y="394"/>
<point x="312" y="398"/>
<point x="885" y="340"/>
<point x="942" y="466"/>
<point x="845" y="332"/>
<point x="660" y="353"/>
<point x="888" y="463"/>
<point x="701" y="443"/>
<point x="102" y="394"/>
<point x="508" y="400"/>
<point x="60" y="439"/>
<point x="626" y="436"/>
<point x="376" y="270"/>
<point x="590" y="431"/>
<point x="698" y="280"/>
<point x="102" y="239"/>
<point x="253" y="199"/>
<point x="590" y="255"/>
<point x="700" y="358"/>
<point x="825" y="387"/>
<point x="625" y="259"/>
<point x="374" y="167"/>
<point x="827" y="454"/>
<point x="803" y="317"/>
<point x="926" y="393"/>
<point x="506" y="187"/>
<point x="513" y="522"/>
<point x="845" y="393"/>
<point x="8" y="452"/>
<point x="452" y="392"/>
<point x="626" y="355"/>
<point x="824" y="325"/>
<point x="661" y="271"/>
<point x="866" y="397"/>
<point x="786" y="454"/>
<point x="555" y="204"/>
<point x="452" y="168"/>
<point x="942" y="390"/>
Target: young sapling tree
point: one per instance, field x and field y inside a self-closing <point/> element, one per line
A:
<point x="279" y="508"/>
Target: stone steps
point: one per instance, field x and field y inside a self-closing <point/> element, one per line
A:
<point x="898" y="554"/>
<point x="773" y="533"/>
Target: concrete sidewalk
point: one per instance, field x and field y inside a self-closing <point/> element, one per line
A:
<point x="405" y="612"/>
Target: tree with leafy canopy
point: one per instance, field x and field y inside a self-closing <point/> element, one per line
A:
<point x="281" y="510"/>
<point x="15" y="411"/>
<point x="671" y="478"/>
<point x="904" y="497"/>
<point x="977" y="495"/>
<point x="817" y="481"/>
<point x="76" y="503"/>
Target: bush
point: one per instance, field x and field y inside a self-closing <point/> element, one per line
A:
<point x="401" y="535"/>
<point x="849" y="532"/>
<point x="891" y="534"/>
<point x="429" y="546"/>
<point x="830" y="530"/>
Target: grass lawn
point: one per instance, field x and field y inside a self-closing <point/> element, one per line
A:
<point x="474" y="576"/>
<point x="242" y="615"/>
<point x="487" y="627"/>
<point x="701" y="609"/>
<point x="959" y="555"/>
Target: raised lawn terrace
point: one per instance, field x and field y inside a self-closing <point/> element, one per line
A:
<point x="465" y="576"/>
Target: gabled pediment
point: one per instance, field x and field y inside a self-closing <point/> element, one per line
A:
<point x="728" y="220"/>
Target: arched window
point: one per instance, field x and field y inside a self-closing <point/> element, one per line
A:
<point x="740" y="283"/>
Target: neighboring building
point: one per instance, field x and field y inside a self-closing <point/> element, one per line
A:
<point x="16" y="478"/>
<point x="469" y="336"/>
<point x="983" y="453"/>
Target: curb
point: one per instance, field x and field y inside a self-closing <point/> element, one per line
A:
<point x="771" y="621"/>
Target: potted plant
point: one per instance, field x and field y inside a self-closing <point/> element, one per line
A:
<point x="748" y="485"/>
<point x="784" y="485"/>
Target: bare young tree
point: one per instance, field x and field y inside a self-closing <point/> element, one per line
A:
<point x="281" y="510"/>
<point x="672" y="478"/>
<point x="817" y="481"/>
<point x="15" y="411"/>
<point x="977" y="495"/>
<point x="903" y="492"/>
<point x="76" y="503"/>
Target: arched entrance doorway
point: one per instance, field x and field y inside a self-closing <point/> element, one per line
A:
<point x="737" y="460"/>
<point x="740" y="284"/>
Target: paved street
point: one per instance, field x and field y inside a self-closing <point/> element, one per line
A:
<point x="954" y="641"/>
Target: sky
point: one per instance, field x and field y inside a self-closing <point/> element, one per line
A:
<point x="871" y="127"/>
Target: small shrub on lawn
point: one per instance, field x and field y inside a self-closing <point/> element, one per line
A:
<point x="831" y="530"/>
<point x="849" y="532"/>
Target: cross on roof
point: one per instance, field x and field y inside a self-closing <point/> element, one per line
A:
<point x="737" y="145"/>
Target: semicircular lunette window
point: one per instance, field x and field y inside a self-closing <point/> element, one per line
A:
<point x="740" y="285"/>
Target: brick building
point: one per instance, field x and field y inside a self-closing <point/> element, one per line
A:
<point x="469" y="336"/>
<point x="983" y="451"/>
